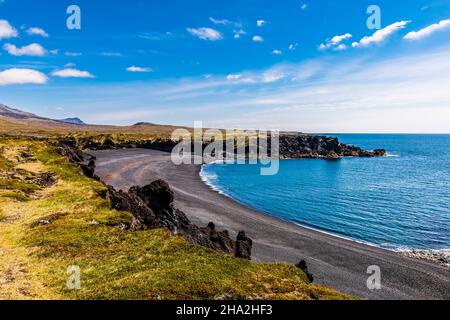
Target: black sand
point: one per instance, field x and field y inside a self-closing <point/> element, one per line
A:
<point x="335" y="262"/>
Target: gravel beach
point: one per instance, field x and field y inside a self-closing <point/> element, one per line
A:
<point x="336" y="262"/>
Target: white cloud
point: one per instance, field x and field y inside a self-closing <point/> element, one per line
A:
<point x="425" y="32"/>
<point x="7" y="31"/>
<point x="69" y="65"/>
<point x="261" y="23"/>
<point x="73" y="54"/>
<point x="293" y="46"/>
<point x="238" y="33"/>
<point x="37" y="31"/>
<point x="139" y="69"/>
<point x="22" y="76"/>
<point x="72" y="73"/>
<point x="206" y="34"/>
<point x="401" y="92"/>
<point x="33" y="49"/>
<point x="339" y="39"/>
<point x="272" y="77"/>
<point x="234" y="76"/>
<point x="341" y="47"/>
<point x="111" y="54"/>
<point x="335" y="42"/>
<point x="217" y="21"/>
<point x="303" y="6"/>
<point x="225" y="22"/>
<point x="381" y="35"/>
<point x="258" y="39"/>
<point x="277" y="52"/>
<point x="222" y="22"/>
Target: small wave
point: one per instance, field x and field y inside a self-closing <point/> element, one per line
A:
<point x="441" y="256"/>
<point x="392" y="155"/>
<point x="208" y="178"/>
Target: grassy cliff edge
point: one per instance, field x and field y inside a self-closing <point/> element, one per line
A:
<point x="52" y="217"/>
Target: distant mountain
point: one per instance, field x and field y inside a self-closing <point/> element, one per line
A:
<point x="6" y="111"/>
<point x="12" y="113"/>
<point x="73" y="120"/>
<point x="16" y="121"/>
<point x="140" y="124"/>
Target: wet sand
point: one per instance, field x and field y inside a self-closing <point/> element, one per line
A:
<point x="338" y="263"/>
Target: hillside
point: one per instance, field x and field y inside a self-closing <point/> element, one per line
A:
<point x="52" y="217"/>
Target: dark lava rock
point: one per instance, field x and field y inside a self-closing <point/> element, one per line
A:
<point x="84" y="161"/>
<point x="157" y="195"/>
<point x="312" y="146"/>
<point x="211" y="238"/>
<point x="144" y="217"/>
<point x="304" y="267"/>
<point x="243" y="246"/>
<point x="152" y="207"/>
<point x="45" y="180"/>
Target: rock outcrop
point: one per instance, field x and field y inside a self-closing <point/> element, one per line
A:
<point x="68" y="149"/>
<point x="243" y="246"/>
<point x="152" y="206"/>
<point x="292" y="146"/>
<point x="304" y="267"/>
<point x="312" y="146"/>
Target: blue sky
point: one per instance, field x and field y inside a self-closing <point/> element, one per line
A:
<point x="310" y="66"/>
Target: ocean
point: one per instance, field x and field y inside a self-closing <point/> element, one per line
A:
<point x="399" y="202"/>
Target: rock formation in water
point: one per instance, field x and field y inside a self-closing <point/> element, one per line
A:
<point x="311" y="146"/>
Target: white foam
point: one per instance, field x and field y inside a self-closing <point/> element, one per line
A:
<point x="392" y="155"/>
<point x="208" y="179"/>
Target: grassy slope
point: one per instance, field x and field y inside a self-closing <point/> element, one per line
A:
<point x="114" y="264"/>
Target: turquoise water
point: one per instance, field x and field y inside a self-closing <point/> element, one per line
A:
<point x="399" y="202"/>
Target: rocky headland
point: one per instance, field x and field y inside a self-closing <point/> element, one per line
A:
<point x="292" y="146"/>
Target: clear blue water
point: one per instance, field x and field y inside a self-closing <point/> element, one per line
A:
<point x="399" y="202"/>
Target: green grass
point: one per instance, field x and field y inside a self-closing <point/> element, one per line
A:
<point x="116" y="264"/>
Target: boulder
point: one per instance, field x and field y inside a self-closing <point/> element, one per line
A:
<point x="152" y="207"/>
<point x="243" y="246"/>
<point x="304" y="267"/>
<point x="144" y="217"/>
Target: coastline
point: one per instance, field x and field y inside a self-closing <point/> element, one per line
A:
<point x="336" y="262"/>
<point x="438" y="256"/>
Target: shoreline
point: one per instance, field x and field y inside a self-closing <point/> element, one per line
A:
<point x="438" y="256"/>
<point x="335" y="262"/>
<point x="328" y="233"/>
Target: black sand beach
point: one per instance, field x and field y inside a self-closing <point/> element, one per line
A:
<point x="335" y="262"/>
